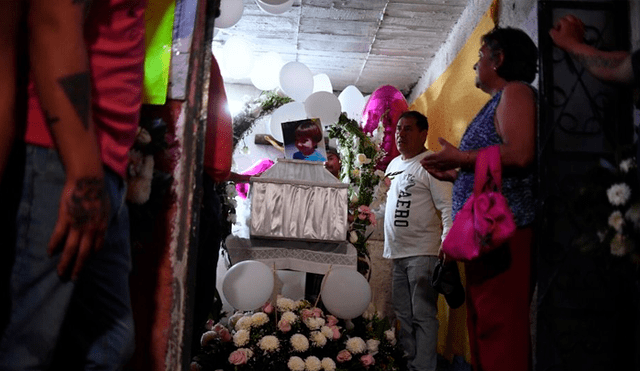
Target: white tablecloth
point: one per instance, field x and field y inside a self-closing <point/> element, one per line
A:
<point x="312" y="257"/>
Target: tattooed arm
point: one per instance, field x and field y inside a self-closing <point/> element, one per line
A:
<point x="615" y="66"/>
<point x="60" y="69"/>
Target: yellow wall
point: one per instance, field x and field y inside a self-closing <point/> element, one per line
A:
<point x="450" y="103"/>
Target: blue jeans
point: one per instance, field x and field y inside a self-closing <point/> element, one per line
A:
<point x="55" y="323"/>
<point x="415" y="303"/>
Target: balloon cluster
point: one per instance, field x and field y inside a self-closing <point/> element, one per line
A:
<point x="385" y="105"/>
<point x="249" y="284"/>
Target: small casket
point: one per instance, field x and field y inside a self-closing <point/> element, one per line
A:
<point x="299" y="200"/>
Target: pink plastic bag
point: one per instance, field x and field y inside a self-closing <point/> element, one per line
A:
<point x="485" y="222"/>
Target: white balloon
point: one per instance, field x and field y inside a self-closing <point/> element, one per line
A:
<point x="275" y="6"/>
<point x="237" y="57"/>
<point x="321" y="82"/>
<point x="230" y="13"/>
<point x="352" y="102"/>
<point x="248" y="285"/>
<point x="296" y="80"/>
<point x="325" y="106"/>
<point x="345" y="293"/>
<point x="291" y="111"/>
<point x="266" y="71"/>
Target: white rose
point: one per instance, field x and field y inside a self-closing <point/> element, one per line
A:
<point x="372" y="346"/>
<point x="390" y="335"/>
<point x="627" y="165"/>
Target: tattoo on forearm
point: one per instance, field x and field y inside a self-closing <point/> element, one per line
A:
<point x="89" y="203"/>
<point x="50" y="119"/>
<point x="78" y="89"/>
<point x="596" y="62"/>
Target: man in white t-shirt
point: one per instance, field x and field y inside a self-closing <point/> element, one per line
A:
<point x="413" y="233"/>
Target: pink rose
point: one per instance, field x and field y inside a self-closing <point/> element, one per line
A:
<point x="367" y="360"/>
<point x="225" y="335"/>
<point x="267" y="308"/>
<point x="372" y="219"/>
<point x="238" y="357"/>
<point x="343" y="356"/>
<point x="306" y="314"/>
<point x="336" y="332"/>
<point x="317" y="312"/>
<point x="284" y="326"/>
<point x="331" y="320"/>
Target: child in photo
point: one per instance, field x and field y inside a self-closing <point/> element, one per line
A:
<point x="307" y="136"/>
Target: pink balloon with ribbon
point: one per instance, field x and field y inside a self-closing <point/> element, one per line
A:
<point x="386" y="104"/>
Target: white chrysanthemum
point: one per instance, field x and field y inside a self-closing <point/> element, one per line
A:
<point x="295" y="364"/>
<point x="269" y="343"/>
<point x="616" y="220"/>
<point x="619" y="245"/>
<point x="390" y="336"/>
<point x="285" y="304"/>
<point x="314" y="323"/>
<point x="300" y="343"/>
<point x="627" y="165"/>
<point x="327" y="332"/>
<point x="289" y="317"/>
<point x="619" y="194"/>
<point x="318" y="339"/>
<point x="241" y="338"/>
<point x="372" y="346"/>
<point x="244" y="323"/>
<point x="259" y="319"/>
<point x="312" y="363"/>
<point x="356" y="345"/>
<point x="633" y="215"/>
<point x="328" y="364"/>
<point x="247" y="351"/>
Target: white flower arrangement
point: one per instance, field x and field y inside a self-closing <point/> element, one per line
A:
<point x="335" y="345"/>
<point x="609" y="202"/>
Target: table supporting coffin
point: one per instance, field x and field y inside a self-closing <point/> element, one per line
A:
<point x="311" y="257"/>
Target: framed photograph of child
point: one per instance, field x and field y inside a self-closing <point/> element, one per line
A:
<point x="304" y="140"/>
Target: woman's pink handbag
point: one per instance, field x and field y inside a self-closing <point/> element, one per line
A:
<point x="485" y="221"/>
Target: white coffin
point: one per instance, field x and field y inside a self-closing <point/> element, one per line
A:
<point x="299" y="200"/>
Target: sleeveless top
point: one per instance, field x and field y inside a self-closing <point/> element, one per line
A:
<point x="516" y="187"/>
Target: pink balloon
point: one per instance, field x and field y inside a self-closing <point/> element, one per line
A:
<point x="387" y="103"/>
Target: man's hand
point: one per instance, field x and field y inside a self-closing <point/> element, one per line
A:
<point x="568" y="32"/>
<point x="82" y="223"/>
